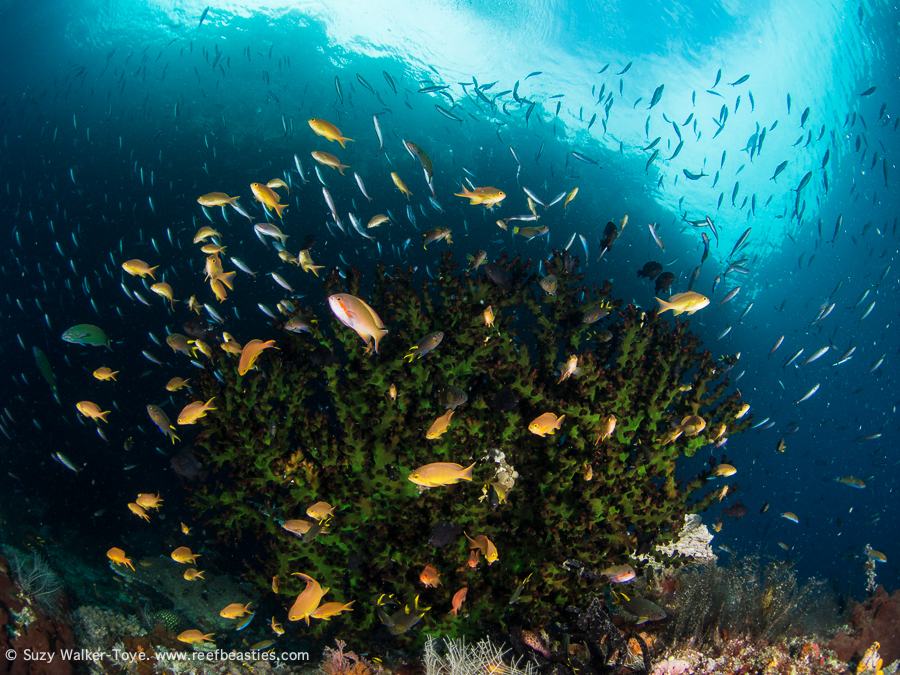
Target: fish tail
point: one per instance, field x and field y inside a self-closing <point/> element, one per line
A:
<point x="341" y="167"/>
<point x="559" y="422"/>
<point x="103" y="415"/>
<point x="663" y="305"/>
<point x="233" y="200"/>
<point x="279" y="208"/>
<point x="467" y="475"/>
<point x="341" y="139"/>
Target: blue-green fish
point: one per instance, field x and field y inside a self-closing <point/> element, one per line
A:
<point x="43" y="364"/>
<point x="86" y="334"/>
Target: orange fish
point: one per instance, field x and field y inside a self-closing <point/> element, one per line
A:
<point x="235" y="611"/>
<point x="92" y="410"/>
<point x="487" y="196"/>
<point x="251" y="352"/>
<point x="164" y="290"/>
<point x="307" y="602"/>
<point x="458" y="599"/>
<point x="105" y="374"/>
<point x="440" y="425"/>
<point x="185" y="529"/>
<point x="216" y="199"/>
<point x="267" y="197"/>
<point x="206" y="231"/>
<point x="138" y="268"/>
<point x="320" y="510"/>
<point x="548" y="423"/>
<point x="138" y="511"/>
<point x="192" y="636"/>
<point x="328" y="130"/>
<point x="474" y="558"/>
<point x="327" y="159"/>
<point x="276" y="627"/>
<point x="489" y="316"/>
<point x="117" y="555"/>
<point x="430" y="577"/>
<point x="440" y="473"/>
<point x="183" y="555"/>
<point x="400" y="185"/>
<point x="176" y="383"/>
<point x="194" y="411"/>
<point x="190" y="574"/>
<point x="485" y="545"/>
<point x="148" y="501"/>
<point x="331" y="609"/>
<point x="607" y="427"/>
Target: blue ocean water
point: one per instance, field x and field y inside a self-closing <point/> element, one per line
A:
<point x="116" y="116"/>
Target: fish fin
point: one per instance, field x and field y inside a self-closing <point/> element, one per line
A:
<point x="559" y="421"/>
<point x="663" y="305"/>
<point x="278" y="209"/>
<point x="467" y="475"/>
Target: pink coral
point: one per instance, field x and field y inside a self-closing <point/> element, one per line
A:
<point x="671" y="667"/>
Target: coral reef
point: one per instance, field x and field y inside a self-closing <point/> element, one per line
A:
<point x="743" y="657"/>
<point x="324" y="420"/>
<point x="875" y="620"/>
<point x="751" y="600"/>
<point x="25" y="627"/>
<point x="463" y="659"/>
<point x="340" y="662"/>
<point x="200" y="600"/>
<point x="36" y="579"/>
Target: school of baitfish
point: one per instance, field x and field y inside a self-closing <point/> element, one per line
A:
<point x="273" y="222"/>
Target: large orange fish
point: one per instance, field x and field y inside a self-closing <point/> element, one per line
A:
<point x="356" y="314"/>
<point x="486" y="196"/>
<point x="251" y="352"/>
<point x="267" y="197"/>
<point x="194" y="411"/>
<point x="328" y="130"/>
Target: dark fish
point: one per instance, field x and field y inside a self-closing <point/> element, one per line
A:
<point x="718" y="79"/>
<point x="663" y="281"/>
<point x="363" y="82"/>
<point x="584" y="158"/>
<point x="694" y="176"/>
<point x="740" y="81"/>
<point x="803" y="117"/>
<point x="206" y="11"/>
<point x="869" y="91"/>
<point x="677" y="150"/>
<point x="626" y="68"/>
<point x="610" y="232"/>
<point x="651" y="270"/>
<point x="451" y="397"/>
<point x="498" y="275"/>
<point x="185" y="464"/>
<point x="740" y="241"/>
<point x="337" y="88"/>
<point x="446" y="113"/>
<point x="389" y="80"/>
<point x="322" y="357"/>
<point x="534" y="74"/>
<point x="444" y="533"/>
<point x="201" y="329"/>
<point x="435" y="87"/>
<point x="503" y="401"/>
<point x="804" y="181"/>
<point x="656" y="96"/>
<point x="736" y="510"/>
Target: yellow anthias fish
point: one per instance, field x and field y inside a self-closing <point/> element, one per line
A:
<point x="743" y="410"/>
<point x="300" y="527"/>
<point x="216" y="199"/>
<point x="267" y="197"/>
<point x="307" y="602"/>
<point x="138" y="268"/>
<point x="277" y="627"/>
<point x="486" y="196"/>
<point x="356" y="314"/>
<point x="92" y="410"/>
<point x="320" y="510"/>
<point x="278" y="183"/>
<point x="689" y="302"/>
<point x="439" y="426"/>
<point x="485" y="545"/>
<point x="430" y="577"/>
<point x="148" y="501"/>
<point x="790" y="515"/>
<point x="194" y="411"/>
<point x="183" y="555"/>
<point x="440" y="473"/>
<point x="693" y="425"/>
<point x="607" y="427"/>
<point x="235" y="611"/>
<point x="251" y="352"/>
<point x="117" y="555"/>
<point x="489" y="316"/>
<point x="569" y="197"/>
<point x="193" y="636"/>
<point x="380" y="219"/>
<point x="205" y="232"/>
<point x="105" y="373"/>
<point x="548" y="423"/>
<point x="185" y="529"/>
<point x="176" y="383"/>
<point x="213" y="248"/>
<point x="306" y="262"/>
<point x="400" y="185"/>
<point x="327" y="159"/>
<point x="179" y="343"/>
<point x="202" y="347"/>
<point x="724" y="470"/>
<point x="164" y="290"/>
<point x="328" y="130"/>
<point x="289" y="258"/>
<point x="232" y="347"/>
<point x="570" y="368"/>
<point x="190" y="574"/>
<point x="331" y="609"/>
<point x="138" y="511"/>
